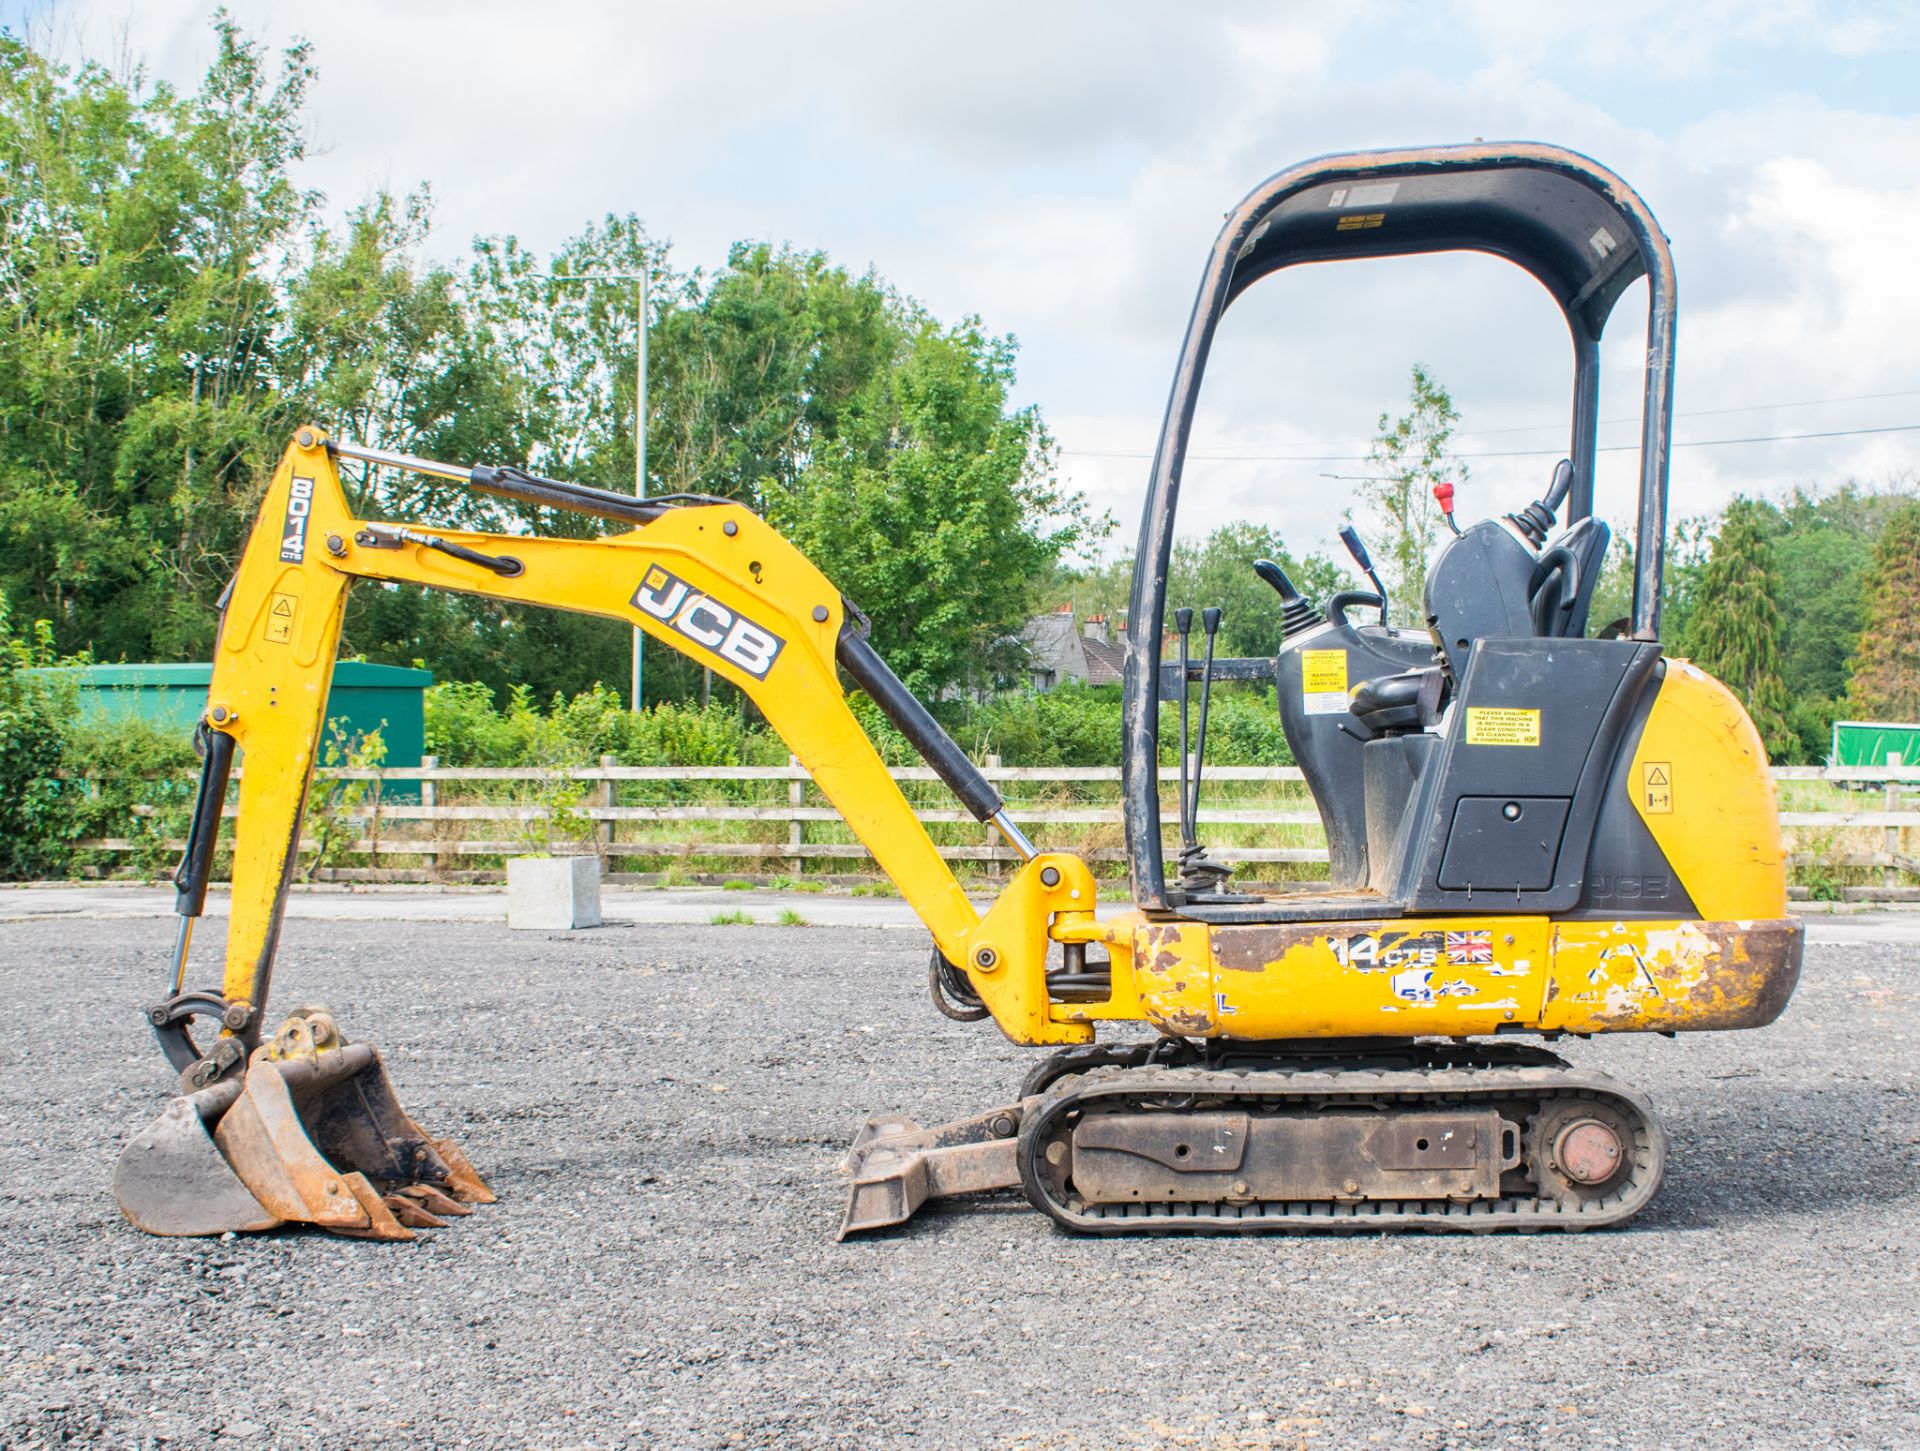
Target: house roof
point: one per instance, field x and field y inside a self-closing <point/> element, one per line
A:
<point x="1106" y="664"/>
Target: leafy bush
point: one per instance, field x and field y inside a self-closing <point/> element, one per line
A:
<point x="331" y="803"/>
<point x="36" y="818"/>
<point x="126" y="762"/>
<point x="1079" y="725"/>
<point x="464" y="728"/>
<point x="1811" y="719"/>
<point x="1076" y="725"/>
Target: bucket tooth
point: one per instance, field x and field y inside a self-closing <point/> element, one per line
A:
<point x="464" y="1182"/>
<point x="412" y="1214"/>
<point x="432" y="1200"/>
<point x="172" y="1180"/>
<point x="382" y="1222"/>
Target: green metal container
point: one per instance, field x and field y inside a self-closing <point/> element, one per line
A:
<point x="386" y="698"/>
<point x="1874" y="743"/>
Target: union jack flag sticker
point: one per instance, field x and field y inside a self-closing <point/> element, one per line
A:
<point x="1470" y="949"/>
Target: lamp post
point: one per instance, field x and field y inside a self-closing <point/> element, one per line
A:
<point x="639" y="279"/>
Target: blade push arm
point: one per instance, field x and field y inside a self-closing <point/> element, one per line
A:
<point x="712" y="580"/>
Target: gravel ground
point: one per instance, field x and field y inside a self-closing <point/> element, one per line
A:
<point x="663" y="1110"/>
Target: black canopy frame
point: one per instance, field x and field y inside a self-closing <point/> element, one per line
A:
<point x="1576" y="227"/>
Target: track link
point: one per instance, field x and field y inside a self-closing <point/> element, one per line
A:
<point x="1538" y="1098"/>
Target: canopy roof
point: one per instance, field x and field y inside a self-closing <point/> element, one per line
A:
<point x="1571" y="223"/>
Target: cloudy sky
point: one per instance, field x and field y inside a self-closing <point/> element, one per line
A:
<point x="1060" y="169"/>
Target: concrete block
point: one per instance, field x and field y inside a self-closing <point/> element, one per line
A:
<point x="548" y="893"/>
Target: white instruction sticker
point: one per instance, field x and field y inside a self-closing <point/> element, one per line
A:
<point x="1372" y="194"/>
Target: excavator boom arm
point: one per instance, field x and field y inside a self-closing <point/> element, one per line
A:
<point x="708" y="578"/>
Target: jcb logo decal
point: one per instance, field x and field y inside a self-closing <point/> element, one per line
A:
<point x="293" y="537"/>
<point x="707" y="622"/>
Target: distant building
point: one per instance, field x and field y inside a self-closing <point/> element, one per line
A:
<point x="1059" y="649"/>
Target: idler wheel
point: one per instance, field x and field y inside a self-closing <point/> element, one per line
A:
<point x="1588" y="1151"/>
<point x="1579" y="1151"/>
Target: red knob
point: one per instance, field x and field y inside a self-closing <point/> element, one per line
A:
<point x="1443" y="495"/>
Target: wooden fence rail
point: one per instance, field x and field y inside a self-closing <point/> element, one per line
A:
<point x="433" y="829"/>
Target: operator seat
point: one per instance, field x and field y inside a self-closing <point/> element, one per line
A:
<point x="1488" y="585"/>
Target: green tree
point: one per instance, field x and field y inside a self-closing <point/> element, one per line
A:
<point x="1217" y="570"/>
<point x="1886" y="662"/>
<point x="172" y="304"/>
<point x="1733" y="631"/>
<point x="1408" y="456"/>
<point x="780" y="346"/>
<point x="146" y="234"/>
<point x="36" y="815"/>
<point x="934" y="507"/>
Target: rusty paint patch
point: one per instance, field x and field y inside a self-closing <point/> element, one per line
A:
<point x="1182" y="1022"/>
<point x="1255" y="949"/>
<point x="1174" y="979"/>
<point x="1682" y="977"/>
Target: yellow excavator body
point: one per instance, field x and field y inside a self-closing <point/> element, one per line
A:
<point x="1533" y="835"/>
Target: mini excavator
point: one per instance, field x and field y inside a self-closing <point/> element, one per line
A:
<point x="1533" y="834"/>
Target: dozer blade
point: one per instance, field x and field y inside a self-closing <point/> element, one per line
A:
<point x="171" y="1179"/>
<point x="895" y="1166"/>
<point x="311" y="1134"/>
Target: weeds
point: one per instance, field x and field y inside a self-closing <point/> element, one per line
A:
<point x="796" y="884"/>
<point x="791" y="918"/>
<point x="731" y="919"/>
<point x="335" y="803"/>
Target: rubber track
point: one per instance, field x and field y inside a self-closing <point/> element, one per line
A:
<point x="1320" y="1086"/>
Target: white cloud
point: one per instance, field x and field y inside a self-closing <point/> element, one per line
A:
<point x="1664" y="40"/>
<point x="1060" y="169"/>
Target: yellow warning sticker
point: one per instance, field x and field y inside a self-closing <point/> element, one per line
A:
<point x="1359" y="221"/>
<point x="1502" y="725"/>
<point x="1323" y="681"/>
<point x="280" y="616"/>
<point x="1656" y="786"/>
<point x="1323" y="670"/>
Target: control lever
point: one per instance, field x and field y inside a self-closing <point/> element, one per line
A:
<point x="1443" y="496"/>
<point x="1350" y="537"/>
<point x="1537" y="518"/>
<point x="1183" y="623"/>
<point x="1347" y="599"/>
<point x="1197" y="874"/>
<point x="1561" y="486"/>
<point x="1296" y="610"/>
